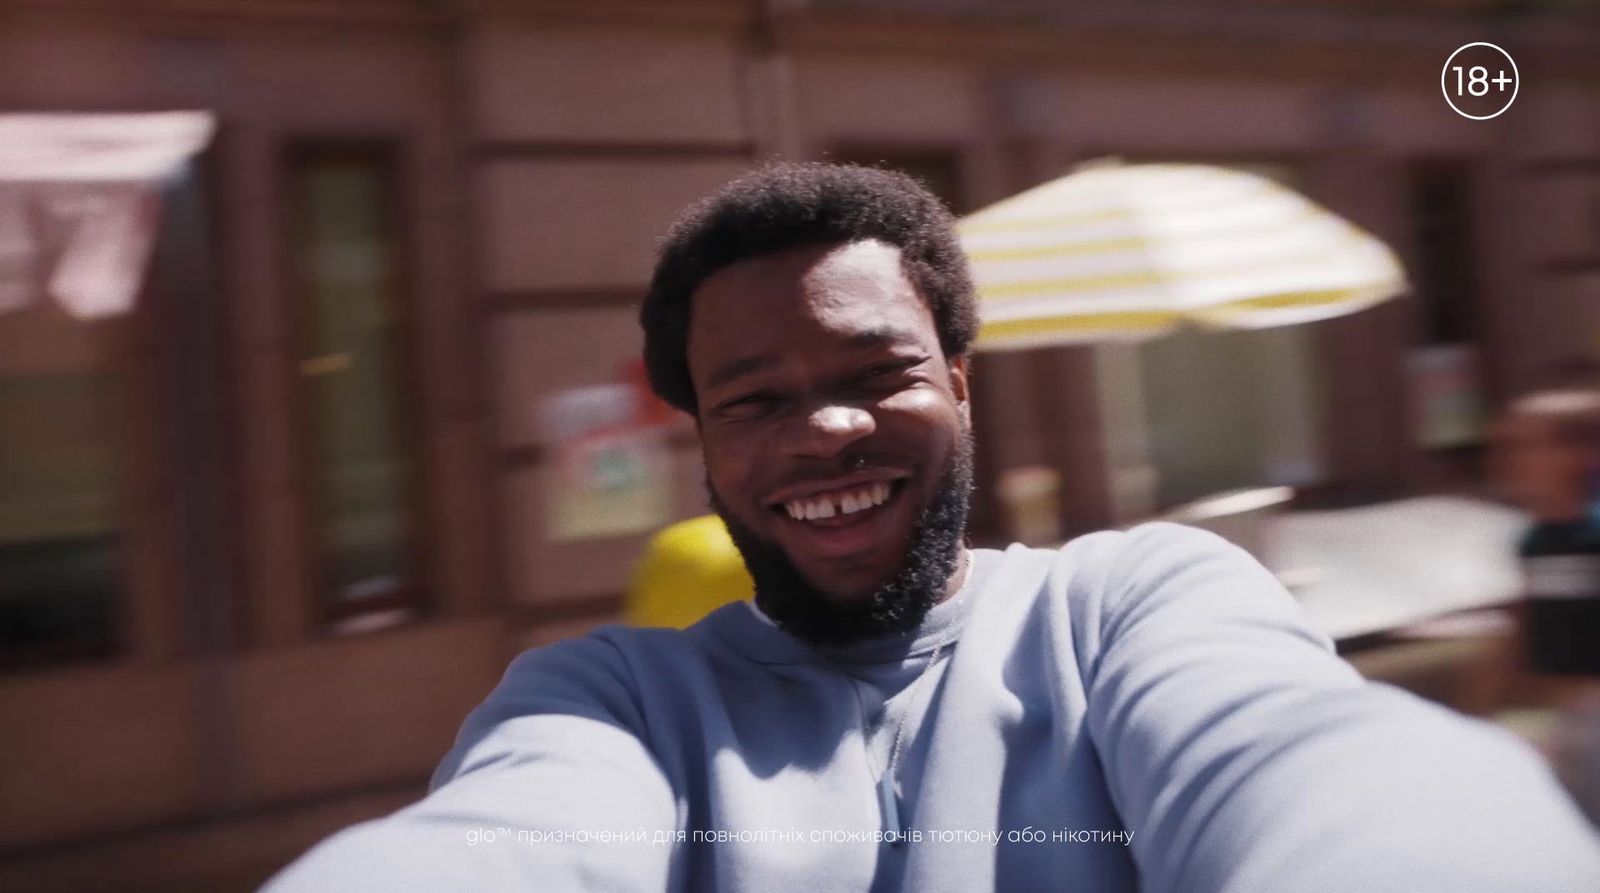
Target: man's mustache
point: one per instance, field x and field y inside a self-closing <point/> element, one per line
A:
<point x="804" y="471"/>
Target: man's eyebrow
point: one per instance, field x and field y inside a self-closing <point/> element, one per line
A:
<point x="734" y="369"/>
<point x="882" y="336"/>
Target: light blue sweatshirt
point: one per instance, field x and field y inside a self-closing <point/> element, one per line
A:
<point x="1147" y="710"/>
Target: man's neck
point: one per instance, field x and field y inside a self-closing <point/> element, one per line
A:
<point x="958" y="578"/>
<point x="952" y="586"/>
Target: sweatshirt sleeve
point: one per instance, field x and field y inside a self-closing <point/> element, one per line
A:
<point x="548" y="787"/>
<point x="1244" y="755"/>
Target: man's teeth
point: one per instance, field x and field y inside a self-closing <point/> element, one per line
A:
<point x="846" y="502"/>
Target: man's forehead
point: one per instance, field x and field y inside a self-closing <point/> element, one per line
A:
<point x="869" y="264"/>
<point x="855" y="296"/>
<point x="821" y="281"/>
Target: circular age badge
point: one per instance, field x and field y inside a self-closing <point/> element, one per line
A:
<point x="1479" y="81"/>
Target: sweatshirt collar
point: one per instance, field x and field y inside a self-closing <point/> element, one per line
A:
<point x="751" y="633"/>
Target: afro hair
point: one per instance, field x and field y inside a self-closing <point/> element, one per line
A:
<point x="785" y="206"/>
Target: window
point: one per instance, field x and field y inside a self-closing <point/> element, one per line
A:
<point x="109" y="421"/>
<point x="62" y="391"/>
<point x="1445" y="282"/>
<point x="60" y="528"/>
<point x="1447" y="409"/>
<point x="355" y="384"/>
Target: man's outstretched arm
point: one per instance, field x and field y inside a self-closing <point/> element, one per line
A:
<point x="1246" y="756"/>
<point x="544" y="767"/>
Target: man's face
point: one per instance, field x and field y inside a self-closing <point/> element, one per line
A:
<point x="831" y="421"/>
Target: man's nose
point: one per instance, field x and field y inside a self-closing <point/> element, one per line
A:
<point x="827" y="430"/>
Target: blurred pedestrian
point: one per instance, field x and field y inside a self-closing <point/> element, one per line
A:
<point x="1548" y="452"/>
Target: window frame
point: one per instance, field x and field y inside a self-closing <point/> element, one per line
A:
<point x="149" y="352"/>
<point x="327" y="614"/>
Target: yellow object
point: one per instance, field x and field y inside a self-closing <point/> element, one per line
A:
<point x="688" y="570"/>
<point x="1120" y="252"/>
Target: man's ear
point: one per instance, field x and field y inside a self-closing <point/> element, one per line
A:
<point x="960" y="370"/>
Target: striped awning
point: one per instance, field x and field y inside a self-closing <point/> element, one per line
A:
<point x="80" y="204"/>
<point x="1128" y="252"/>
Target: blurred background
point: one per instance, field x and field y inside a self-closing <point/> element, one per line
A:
<point x="359" y="416"/>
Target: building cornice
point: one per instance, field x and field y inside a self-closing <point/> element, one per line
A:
<point x="717" y="15"/>
<point x="696" y="14"/>
<point x="325" y="12"/>
<point x="1351" y="47"/>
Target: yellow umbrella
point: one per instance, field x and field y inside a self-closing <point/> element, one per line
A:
<point x="1129" y="252"/>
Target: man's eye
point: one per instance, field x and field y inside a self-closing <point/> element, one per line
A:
<point x="886" y="370"/>
<point x="750" y="404"/>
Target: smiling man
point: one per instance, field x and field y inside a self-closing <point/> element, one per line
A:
<point x="835" y="426"/>
<point x="1142" y="710"/>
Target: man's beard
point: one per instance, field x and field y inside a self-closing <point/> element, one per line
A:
<point x="803" y="611"/>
